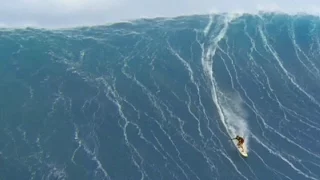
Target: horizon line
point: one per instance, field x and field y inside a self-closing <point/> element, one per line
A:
<point x="133" y="20"/>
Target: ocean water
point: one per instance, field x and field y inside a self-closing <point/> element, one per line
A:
<point x="161" y="98"/>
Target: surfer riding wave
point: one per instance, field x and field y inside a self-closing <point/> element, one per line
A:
<point x="240" y="141"/>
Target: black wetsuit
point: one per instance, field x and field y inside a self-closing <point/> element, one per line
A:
<point x="240" y="140"/>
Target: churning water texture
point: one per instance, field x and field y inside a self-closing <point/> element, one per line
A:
<point x="161" y="98"/>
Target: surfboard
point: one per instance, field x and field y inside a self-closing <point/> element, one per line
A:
<point x="244" y="151"/>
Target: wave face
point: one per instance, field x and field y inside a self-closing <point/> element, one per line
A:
<point x="160" y="99"/>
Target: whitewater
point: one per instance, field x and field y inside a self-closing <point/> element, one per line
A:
<point x="161" y="98"/>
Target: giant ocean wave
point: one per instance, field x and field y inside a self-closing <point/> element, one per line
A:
<point x="160" y="99"/>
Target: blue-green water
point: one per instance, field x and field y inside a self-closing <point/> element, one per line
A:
<point x="160" y="99"/>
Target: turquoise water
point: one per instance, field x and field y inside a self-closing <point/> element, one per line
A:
<point x="160" y="99"/>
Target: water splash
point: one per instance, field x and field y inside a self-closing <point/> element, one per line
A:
<point x="235" y="115"/>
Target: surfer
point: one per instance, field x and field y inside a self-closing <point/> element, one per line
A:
<point x="240" y="141"/>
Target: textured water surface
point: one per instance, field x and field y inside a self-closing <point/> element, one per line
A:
<point x="160" y="99"/>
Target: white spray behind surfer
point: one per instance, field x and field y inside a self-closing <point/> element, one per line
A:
<point x="234" y="115"/>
